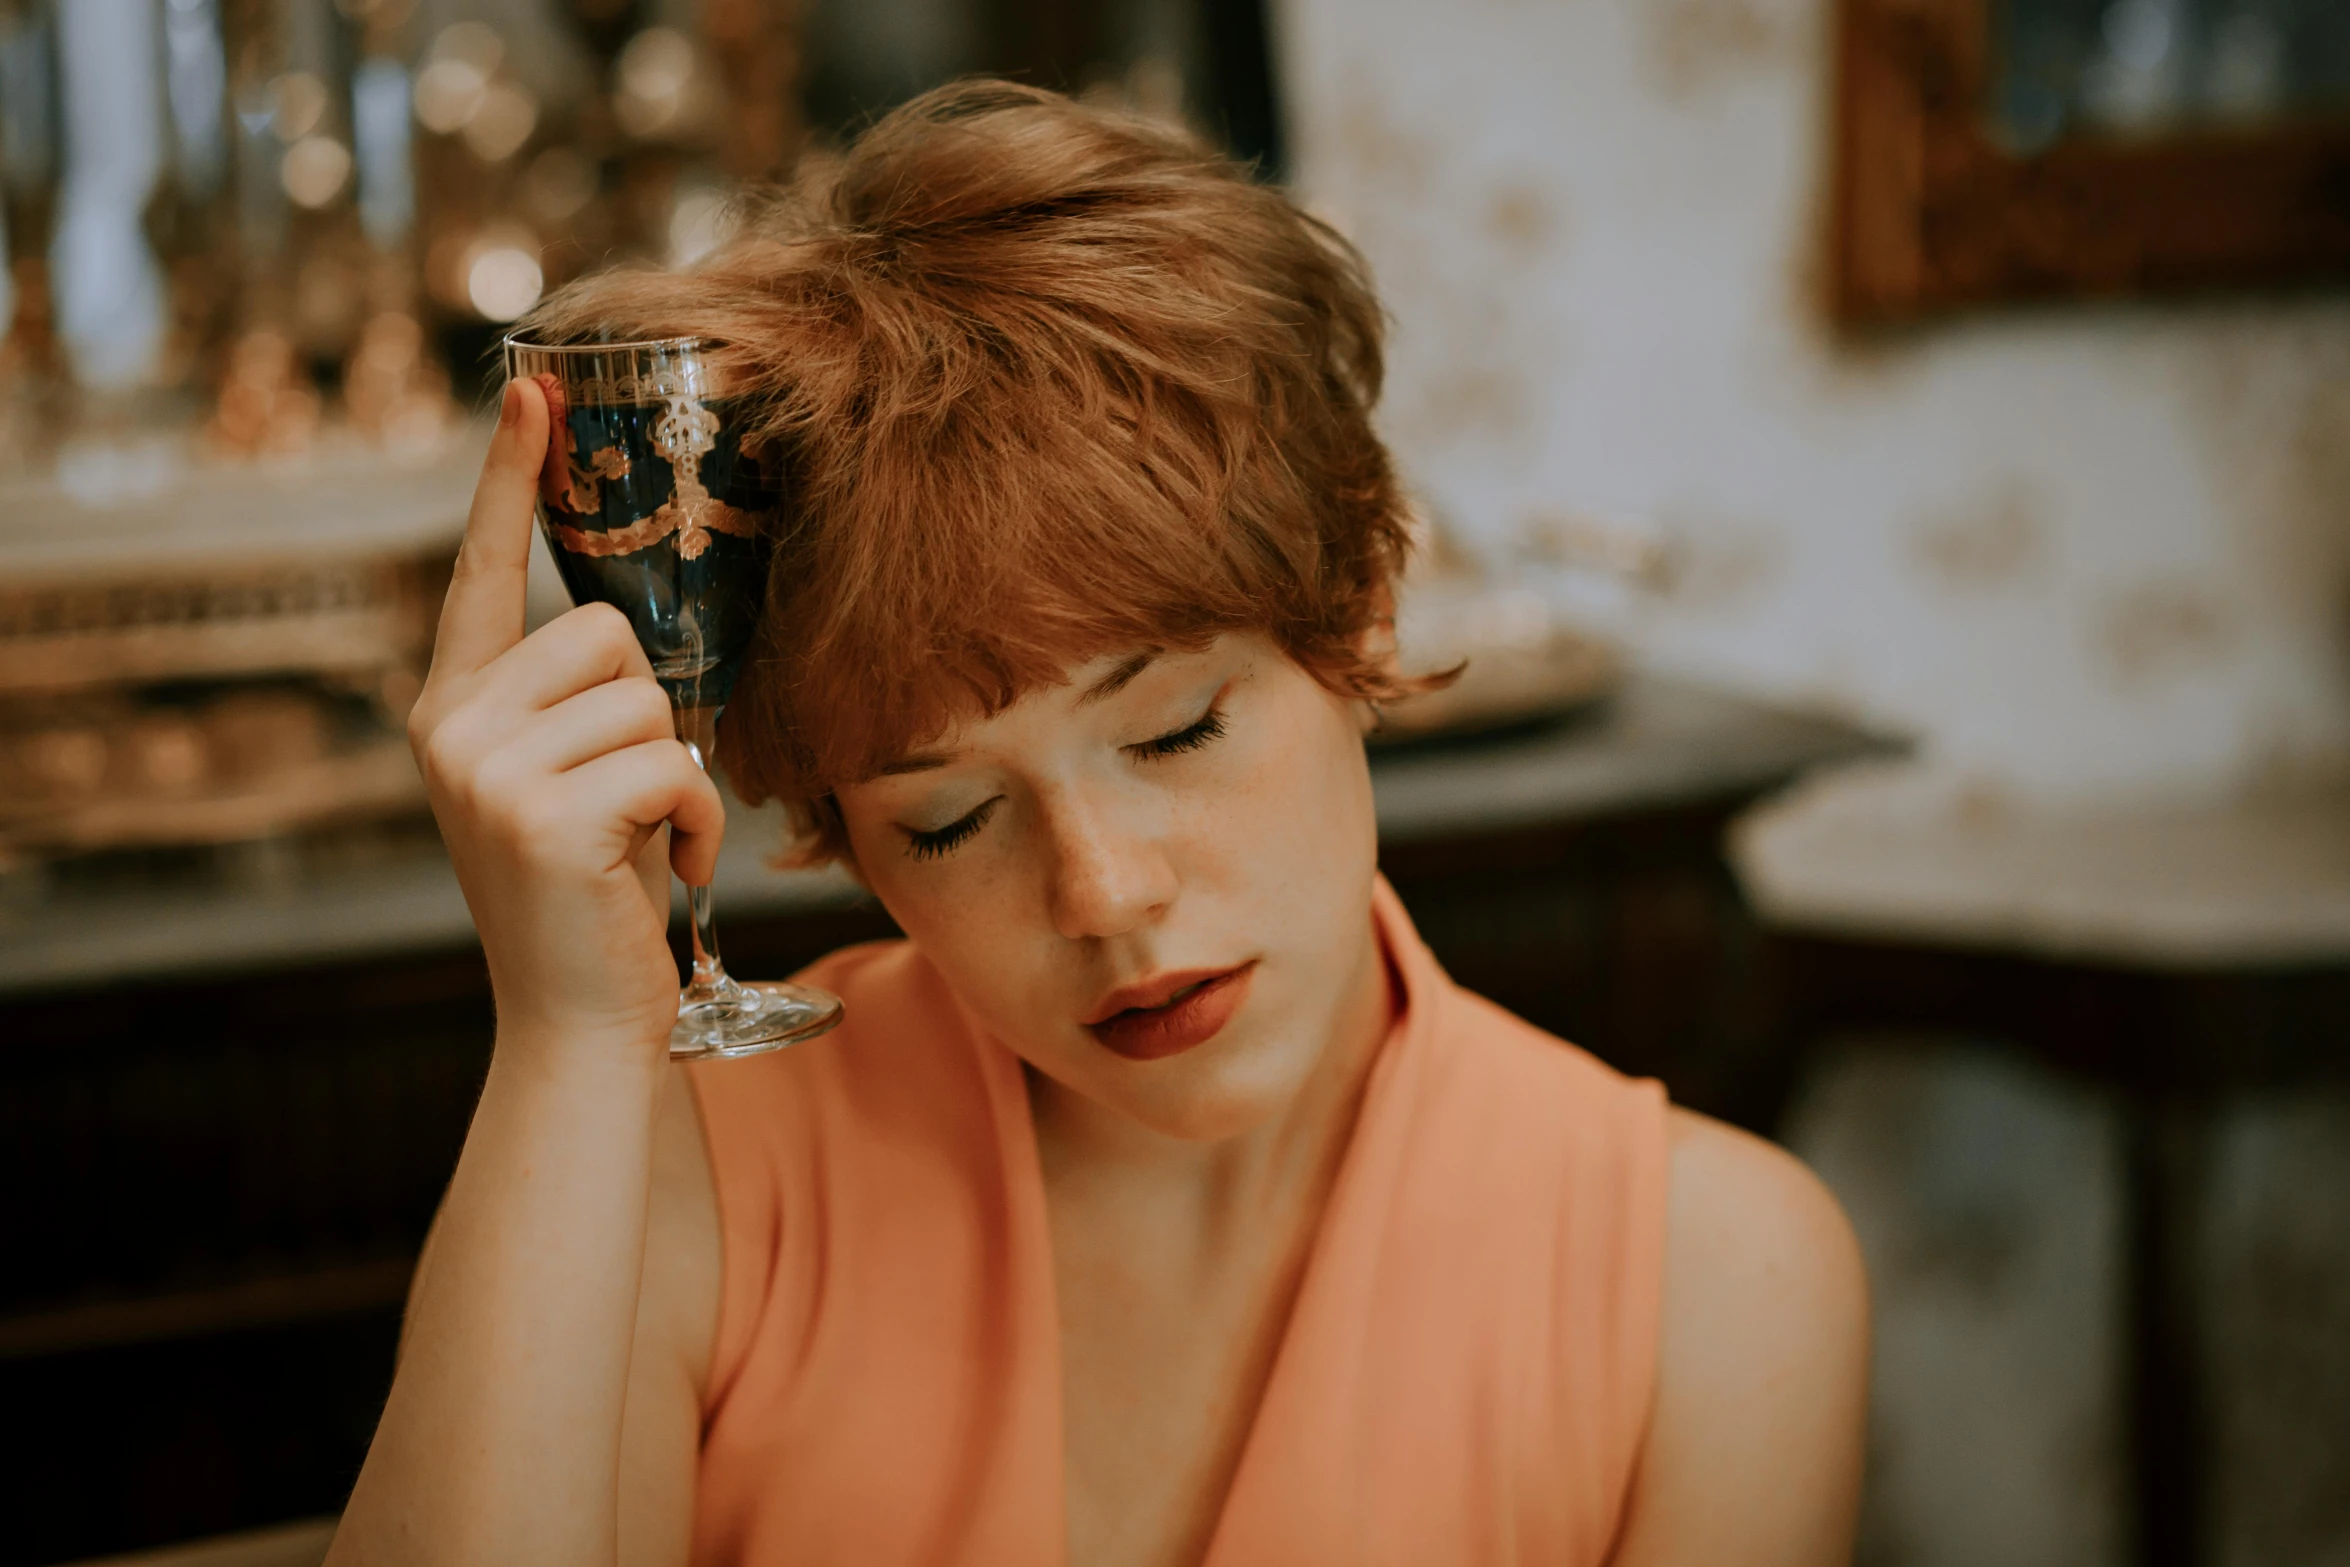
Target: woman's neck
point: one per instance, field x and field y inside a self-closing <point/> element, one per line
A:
<point x="1176" y="1264"/>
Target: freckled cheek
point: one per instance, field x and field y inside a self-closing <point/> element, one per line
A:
<point x="1292" y="812"/>
<point x="988" y="934"/>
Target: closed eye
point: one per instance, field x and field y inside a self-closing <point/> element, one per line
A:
<point x="943" y="840"/>
<point x="1190" y="737"/>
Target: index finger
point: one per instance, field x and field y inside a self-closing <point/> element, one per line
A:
<point x="483" y="615"/>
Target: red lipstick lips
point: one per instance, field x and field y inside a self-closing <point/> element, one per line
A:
<point x="1168" y="1014"/>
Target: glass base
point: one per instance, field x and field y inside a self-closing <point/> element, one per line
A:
<point x="749" y="1020"/>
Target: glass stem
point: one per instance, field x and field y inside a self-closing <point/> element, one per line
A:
<point x="697" y="727"/>
<point x="709" y="979"/>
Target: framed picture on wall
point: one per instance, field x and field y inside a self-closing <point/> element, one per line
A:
<point x="1997" y="150"/>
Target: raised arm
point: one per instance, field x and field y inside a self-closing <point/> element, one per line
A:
<point x="552" y="769"/>
<point x="1753" y="1456"/>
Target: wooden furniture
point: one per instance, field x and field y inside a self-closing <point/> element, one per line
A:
<point x="1934" y="210"/>
<point x="2175" y="955"/>
<point x="196" y="653"/>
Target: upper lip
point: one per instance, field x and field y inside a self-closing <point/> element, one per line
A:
<point x="1156" y="991"/>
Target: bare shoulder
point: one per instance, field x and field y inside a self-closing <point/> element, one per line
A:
<point x="1748" y="1218"/>
<point x="1754" y="1450"/>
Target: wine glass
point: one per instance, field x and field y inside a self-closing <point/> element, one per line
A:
<point x="651" y="504"/>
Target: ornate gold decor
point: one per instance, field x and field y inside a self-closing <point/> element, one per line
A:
<point x="652" y="386"/>
<point x="685" y="431"/>
<point x="225" y="621"/>
<point x="110" y="772"/>
<point x="581" y="486"/>
<point x="289" y="649"/>
<point x="587" y="483"/>
<point x="644" y="533"/>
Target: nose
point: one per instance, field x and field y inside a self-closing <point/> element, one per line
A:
<point x="1107" y="877"/>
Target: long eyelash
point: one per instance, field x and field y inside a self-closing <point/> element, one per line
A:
<point x="945" y="840"/>
<point x="1190" y="738"/>
<point x="930" y="845"/>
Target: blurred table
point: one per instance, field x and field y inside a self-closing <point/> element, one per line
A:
<point x="1654" y="745"/>
<point x="157" y="503"/>
<point x="2175" y="953"/>
<point x="1898" y="853"/>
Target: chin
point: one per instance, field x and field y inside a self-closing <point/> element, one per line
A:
<point x="1231" y="1085"/>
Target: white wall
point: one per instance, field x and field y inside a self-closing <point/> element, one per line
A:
<point x="2079" y="550"/>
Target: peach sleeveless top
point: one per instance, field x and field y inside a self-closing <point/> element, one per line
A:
<point x="1465" y="1376"/>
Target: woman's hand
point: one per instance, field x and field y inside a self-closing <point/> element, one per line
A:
<point x="552" y="765"/>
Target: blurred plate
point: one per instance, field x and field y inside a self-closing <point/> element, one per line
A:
<point x="1518" y="663"/>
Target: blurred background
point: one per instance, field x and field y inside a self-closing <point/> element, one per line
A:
<point x="1887" y="461"/>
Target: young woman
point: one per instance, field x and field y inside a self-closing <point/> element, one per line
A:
<point x="1160" y="1200"/>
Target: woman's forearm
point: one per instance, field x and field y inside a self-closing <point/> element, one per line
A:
<point x="553" y="767"/>
<point x="501" y="1439"/>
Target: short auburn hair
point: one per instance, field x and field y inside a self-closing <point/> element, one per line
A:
<point x="1050" y="381"/>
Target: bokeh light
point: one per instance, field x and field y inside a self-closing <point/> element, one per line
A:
<point x="503" y="279"/>
<point x="298" y="103"/>
<point x="448" y="91"/>
<point x="654" y="72"/>
<point x="314" y="170"/>
<point x="501" y="122"/>
<point x="476" y="43"/>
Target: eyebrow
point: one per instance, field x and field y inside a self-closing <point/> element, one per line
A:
<point x="1117" y="679"/>
<point x="1110" y="684"/>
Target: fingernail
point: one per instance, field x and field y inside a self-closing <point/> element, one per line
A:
<point x="509" y="405"/>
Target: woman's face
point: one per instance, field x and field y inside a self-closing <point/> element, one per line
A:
<point x="1152" y="882"/>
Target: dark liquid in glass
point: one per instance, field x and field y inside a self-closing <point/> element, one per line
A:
<point x="656" y="509"/>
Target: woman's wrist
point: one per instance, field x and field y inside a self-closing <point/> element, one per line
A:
<point x="628" y="1057"/>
